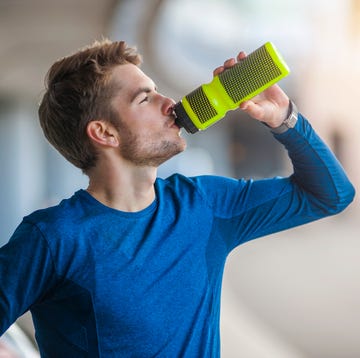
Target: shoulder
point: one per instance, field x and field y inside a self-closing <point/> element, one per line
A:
<point x="211" y="188"/>
<point x="68" y="210"/>
<point x="207" y="178"/>
<point x="179" y="181"/>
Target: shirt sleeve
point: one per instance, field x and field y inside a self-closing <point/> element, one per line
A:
<point x="248" y="209"/>
<point x="26" y="273"/>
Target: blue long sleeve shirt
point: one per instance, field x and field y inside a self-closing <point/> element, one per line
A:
<point x="104" y="283"/>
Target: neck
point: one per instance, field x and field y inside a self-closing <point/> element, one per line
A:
<point x="126" y="188"/>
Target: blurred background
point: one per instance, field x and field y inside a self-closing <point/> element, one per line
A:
<point x="295" y="294"/>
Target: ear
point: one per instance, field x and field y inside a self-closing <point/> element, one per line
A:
<point x="102" y="133"/>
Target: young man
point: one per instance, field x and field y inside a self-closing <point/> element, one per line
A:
<point x="132" y="266"/>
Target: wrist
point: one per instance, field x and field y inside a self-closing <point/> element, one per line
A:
<point x="289" y="121"/>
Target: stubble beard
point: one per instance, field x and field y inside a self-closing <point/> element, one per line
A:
<point x="149" y="153"/>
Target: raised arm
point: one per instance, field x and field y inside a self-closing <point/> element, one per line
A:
<point x="318" y="186"/>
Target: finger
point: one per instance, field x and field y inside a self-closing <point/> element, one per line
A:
<point x="229" y="63"/>
<point x="218" y="70"/>
<point x="241" y="56"/>
<point x="253" y="109"/>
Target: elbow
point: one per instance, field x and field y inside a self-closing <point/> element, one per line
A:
<point x="344" y="198"/>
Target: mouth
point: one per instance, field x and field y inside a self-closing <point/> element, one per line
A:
<point x="172" y="123"/>
<point x="175" y="119"/>
<point x="175" y="125"/>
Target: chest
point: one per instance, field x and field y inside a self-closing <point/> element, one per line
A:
<point x="147" y="277"/>
<point x="149" y="283"/>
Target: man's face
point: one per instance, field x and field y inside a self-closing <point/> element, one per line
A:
<point x="147" y="130"/>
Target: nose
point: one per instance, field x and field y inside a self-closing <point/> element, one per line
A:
<point x="167" y="106"/>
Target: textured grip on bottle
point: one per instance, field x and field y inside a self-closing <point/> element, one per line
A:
<point x="246" y="77"/>
<point x="201" y="105"/>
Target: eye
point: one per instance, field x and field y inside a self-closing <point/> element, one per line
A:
<point x="145" y="99"/>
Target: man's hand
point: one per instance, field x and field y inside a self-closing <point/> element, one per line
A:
<point x="270" y="106"/>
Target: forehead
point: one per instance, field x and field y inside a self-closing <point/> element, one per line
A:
<point x="128" y="77"/>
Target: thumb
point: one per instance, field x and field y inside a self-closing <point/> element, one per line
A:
<point x="253" y="109"/>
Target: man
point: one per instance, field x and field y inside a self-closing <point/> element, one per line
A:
<point x="132" y="266"/>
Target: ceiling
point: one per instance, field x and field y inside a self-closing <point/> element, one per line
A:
<point x="34" y="33"/>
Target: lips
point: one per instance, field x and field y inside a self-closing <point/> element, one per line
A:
<point x="172" y="123"/>
<point x="175" y="125"/>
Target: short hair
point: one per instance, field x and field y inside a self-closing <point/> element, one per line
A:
<point x="77" y="91"/>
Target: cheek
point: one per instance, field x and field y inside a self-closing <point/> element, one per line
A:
<point x="141" y="121"/>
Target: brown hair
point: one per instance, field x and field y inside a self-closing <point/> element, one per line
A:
<point x="78" y="90"/>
